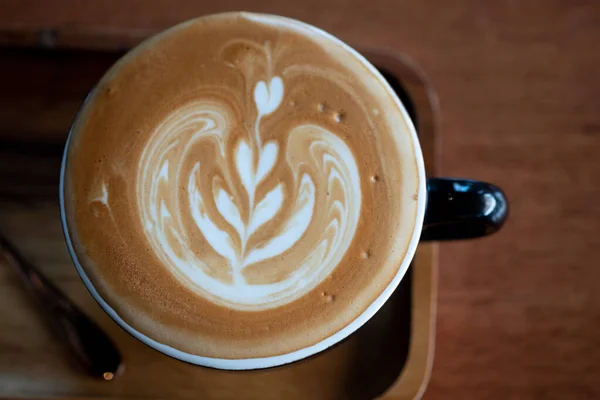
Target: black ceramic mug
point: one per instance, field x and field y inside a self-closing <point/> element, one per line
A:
<point x="456" y="208"/>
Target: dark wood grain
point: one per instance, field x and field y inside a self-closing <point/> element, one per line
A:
<point x="519" y="85"/>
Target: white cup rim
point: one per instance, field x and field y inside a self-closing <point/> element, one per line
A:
<point x="271" y="361"/>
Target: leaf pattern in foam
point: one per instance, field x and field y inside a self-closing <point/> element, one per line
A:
<point x="266" y="209"/>
<point x="294" y="227"/>
<point x="243" y="163"/>
<point x="164" y="171"/>
<point x="268" y="156"/>
<point x="268" y="98"/>
<point x="218" y="239"/>
<point x="229" y="211"/>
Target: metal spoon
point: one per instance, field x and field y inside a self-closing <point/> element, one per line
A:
<point x="89" y="344"/>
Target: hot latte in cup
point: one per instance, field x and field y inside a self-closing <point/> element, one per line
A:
<point x="241" y="186"/>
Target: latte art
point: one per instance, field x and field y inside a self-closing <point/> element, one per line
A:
<point x="241" y="186"/>
<point x="223" y="200"/>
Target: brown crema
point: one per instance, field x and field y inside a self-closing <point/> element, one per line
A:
<point x="240" y="186"/>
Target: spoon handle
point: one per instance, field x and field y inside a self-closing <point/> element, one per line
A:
<point x="89" y="344"/>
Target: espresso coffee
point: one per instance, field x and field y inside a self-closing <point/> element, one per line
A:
<point x="241" y="186"/>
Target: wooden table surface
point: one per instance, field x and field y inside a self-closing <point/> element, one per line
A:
<point x="519" y="87"/>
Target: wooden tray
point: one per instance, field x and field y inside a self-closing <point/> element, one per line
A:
<point x="390" y="357"/>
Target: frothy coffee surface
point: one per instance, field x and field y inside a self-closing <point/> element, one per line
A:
<point x="240" y="186"/>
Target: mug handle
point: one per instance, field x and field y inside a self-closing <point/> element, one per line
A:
<point x="462" y="209"/>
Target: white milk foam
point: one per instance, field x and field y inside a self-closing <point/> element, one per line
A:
<point x="160" y="172"/>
